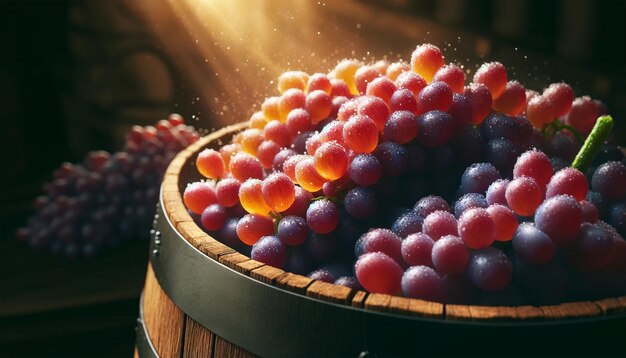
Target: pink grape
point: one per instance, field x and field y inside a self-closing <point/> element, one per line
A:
<point x="378" y="273"/>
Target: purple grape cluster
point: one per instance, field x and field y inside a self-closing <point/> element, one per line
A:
<point x="108" y="198"/>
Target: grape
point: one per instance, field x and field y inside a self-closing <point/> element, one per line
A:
<point x="298" y="261"/>
<point x="348" y="281"/>
<point x="197" y="196"/>
<point x="435" y="96"/>
<point x="478" y="177"/>
<point x="435" y="128"/>
<point x="365" y="169"/>
<point x="290" y="99"/>
<point x="401" y="127"/>
<point x="331" y="161"/>
<point x="583" y="114"/>
<point x="374" y="108"/>
<point x="540" y="111"/>
<point x="589" y="212"/>
<point x="378" y="273"/>
<point x="410" y="81"/>
<point x="499" y="126"/>
<point x="496" y="193"/>
<point x="322" y="216"/>
<point x="561" y="95"/>
<point x="560" y="218"/>
<point x="453" y="76"/>
<point x="502" y="154"/>
<point x="244" y="166"/>
<point x="416" y="249"/>
<point x="532" y="245"/>
<point x="298" y="121"/>
<point x="278" y="191"/>
<point x="439" y="223"/>
<point x="381" y="87"/>
<point x="534" y="164"/>
<point x="430" y="204"/>
<point x="292" y="230"/>
<point x="542" y="285"/>
<point x="563" y="146"/>
<point x="417" y="158"/>
<point x="322" y="275"/>
<point x="250" y="140"/>
<point x="364" y="76"/>
<point x="266" y="152"/>
<point x="393" y="157"/>
<point x="609" y="180"/>
<point x="396" y="68"/>
<point x="210" y="164"/>
<point x="505" y="220"/>
<point x="407" y="223"/>
<point x="252" y="199"/>
<point x="512" y="100"/>
<point x="493" y="76"/>
<point x="251" y="228"/>
<point x="597" y="200"/>
<point x="595" y="246"/>
<point x="360" y="134"/>
<point x="480" y="99"/>
<point x="568" y="181"/>
<point x="476" y="228"/>
<point x="281" y="157"/>
<point x="300" y="203"/>
<point x="339" y="88"/>
<point x="292" y="80"/>
<point x="258" y="120"/>
<point x="467" y="201"/>
<point x="289" y="166"/>
<point x="228" y="234"/>
<point x="450" y="255"/>
<point x="489" y="269"/>
<point x="213" y="217"/>
<point x="278" y="132"/>
<point x="307" y="176"/>
<point x="319" y="105"/>
<point x="321" y="247"/>
<point x="403" y="100"/>
<point x="380" y="240"/>
<point x="227" y="152"/>
<point x="617" y="217"/>
<point x="426" y="60"/>
<point x="467" y="144"/>
<point x="424" y="283"/>
<point x="361" y="202"/>
<point x="523" y="195"/>
<point x="269" y="250"/>
<point x="318" y="81"/>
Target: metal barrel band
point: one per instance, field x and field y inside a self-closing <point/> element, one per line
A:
<point x="269" y="321"/>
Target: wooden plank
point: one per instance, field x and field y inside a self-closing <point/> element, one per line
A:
<point x="329" y="292"/>
<point x="458" y="312"/>
<point x="377" y="302"/>
<point x="199" y="341"/>
<point x="399" y="304"/>
<point x="529" y="313"/>
<point x="571" y="310"/>
<point x="426" y="308"/>
<point x="247" y="266"/>
<point x="493" y="313"/>
<point x="610" y="306"/>
<point x="267" y="274"/>
<point x="294" y="283"/>
<point x="163" y="319"/>
<point x="214" y="249"/>
<point x="231" y="260"/>
<point x="359" y="299"/>
<point x="192" y="233"/>
<point x="224" y="348"/>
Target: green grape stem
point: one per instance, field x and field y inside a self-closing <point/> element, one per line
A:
<point x="593" y="144"/>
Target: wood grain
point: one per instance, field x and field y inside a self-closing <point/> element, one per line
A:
<point x="224" y="348"/>
<point x="329" y="292"/>
<point x="199" y="341"/>
<point x="163" y="319"/>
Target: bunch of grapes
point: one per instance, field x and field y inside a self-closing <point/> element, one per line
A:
<point x="108" y="198"/>
<point x="326" y="182"/>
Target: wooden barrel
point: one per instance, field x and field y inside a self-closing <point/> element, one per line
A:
<point x="202" y="298"/>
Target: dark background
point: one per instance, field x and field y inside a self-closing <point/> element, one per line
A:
<point x="55" y="106"/>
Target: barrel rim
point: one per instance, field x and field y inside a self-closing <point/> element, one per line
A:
<point x="183" y="223"/>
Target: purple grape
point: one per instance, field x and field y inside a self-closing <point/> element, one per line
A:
<point x="361" y="202"/>
<point x="269" y="250"/>
<point x="563" y="146"/>
<point x="496" y="192"/>
<point x="478" y="177"/>
<point x="417" y="158"/>
<point x="393" y="157"/>
<point x="292" y="230"/>
<point x="435" y="128"/>
<point x="597" y="200"/>
<point x="424" y="283"/>
<point x="321" y="247"/>
<point x="532" y="245"/>
<point x="502" y="154"/>
<point x="322" y="275"/>
<point x="401" y="127"/>
<point x="467" y="201"/>
<point x="610" y="180"/>
<point x="348" y="281"/>
<point x="298" y="261"/>
<point x="489" y="269"/>
<point x="299" y="142"/>
<point x="594" y="246"/>
<point x="429" y="204"/>
<point x="450" y="255"/>
<point x="228" y="233"/>
<point x="322" y="216"/>
<point x="560" y="218"/>
<point x="407" y="223"/>
<point x="498" y="126"/>
<point x="617" y="217"/>
<point x="468" y="144"/>
<point x="280" y="157"/>
<point x="365" y="170"/>
<point x="461" y="110"/>
<point x="441" y="160"/>
<point x="380" y="240"/>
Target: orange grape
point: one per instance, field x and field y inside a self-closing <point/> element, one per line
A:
<point x="306" y="175"/>
<point x="278" y="191"/>
<point x="244" y="166"/>
<point x="198" y="195"/>
<point x="251" y="197"/>
<point x="331" y="160"/>
<point x="426" y="60"/>
<point x="251" y="228"/>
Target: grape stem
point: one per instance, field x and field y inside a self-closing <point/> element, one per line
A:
<point x="557" y="125"/>
<point x="593" y="144"/>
